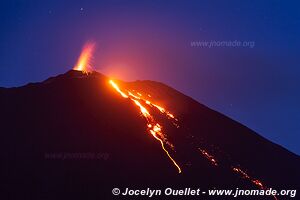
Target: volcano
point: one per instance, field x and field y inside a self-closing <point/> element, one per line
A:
<point x="79" y="135"/>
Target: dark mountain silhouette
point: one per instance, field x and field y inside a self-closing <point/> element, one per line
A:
<point x="74" y="137"/>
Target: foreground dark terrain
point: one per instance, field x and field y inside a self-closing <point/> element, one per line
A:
<point x="74" y="137"/>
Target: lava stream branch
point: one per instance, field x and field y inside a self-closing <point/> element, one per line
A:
<point x="153" y="127"/>
<point x="208" y="156"/>
<point x="256" y="182"/>
<point x="237" y="170"/>
<point x="161" y="109"/>
<point x="163" y="147"/>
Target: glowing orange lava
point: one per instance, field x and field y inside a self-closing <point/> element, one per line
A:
<point x="244" y="175"/>
<point x="118" y="89"/>
<point x="209" y="157"/>
<point x="84" y="62"/>
<point x="256" y="182"/>
<point x="161" y="109"/>
<point x="153" y="127"/>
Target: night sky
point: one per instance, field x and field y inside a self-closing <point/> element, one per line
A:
<point x="257" y="85"/>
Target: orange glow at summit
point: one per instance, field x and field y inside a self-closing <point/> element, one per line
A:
<point x="84" y="61"/>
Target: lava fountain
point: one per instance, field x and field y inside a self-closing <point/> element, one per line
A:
<point x="84" y="61"/>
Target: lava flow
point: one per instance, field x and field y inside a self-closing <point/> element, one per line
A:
<point x="256" y="182"/>
<point x="84" y="62"/>
<point x="246" y="176"/>
<point x="154" y="128"/>
<point x="209" y="157"/>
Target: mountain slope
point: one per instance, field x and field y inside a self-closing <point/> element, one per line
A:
<point x="74" y="136"/>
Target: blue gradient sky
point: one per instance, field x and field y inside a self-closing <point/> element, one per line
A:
<point x="257" y="86"/>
